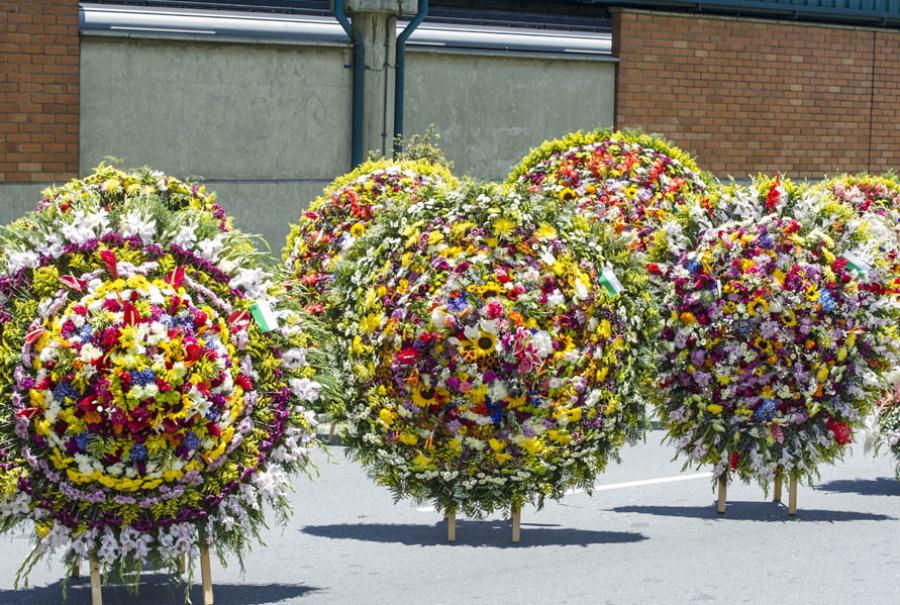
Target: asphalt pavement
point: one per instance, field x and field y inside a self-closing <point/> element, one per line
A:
<point x="650" y="534"/>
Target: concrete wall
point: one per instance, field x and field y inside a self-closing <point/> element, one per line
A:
<point x="490" y="110"/>
<point x="267" y="126"/>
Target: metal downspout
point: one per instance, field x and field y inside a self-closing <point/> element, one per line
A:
<point x="400" y="73"/>
<point x="359" y="68"/>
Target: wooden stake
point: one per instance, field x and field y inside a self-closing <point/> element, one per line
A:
<point x="96" y="595"/>
<point x="331" y="433"/>
<point x="76" y="569"/>
<point x="206" y="575"/>
<point x="792" y="502"/>
<point x="776" y="497"/>
<point x="723" y="488"/>
<point x="451" y="525"/>
<point x="516" y="524"/>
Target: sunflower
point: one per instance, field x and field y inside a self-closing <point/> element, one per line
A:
<point x="426" y="395"/>
<point x="567" y="194"/>
<point x="485" y="344"/>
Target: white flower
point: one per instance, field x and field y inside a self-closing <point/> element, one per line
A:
<point x="581" y="291"/>
<point x="543" y="343"/>
<point x="19" y="260"/>
<point x="135" y="224"/>
<point x="78" y="232"/>
<point x="90" y="353"/>
<point x="210" y="249"/>
<point x="305" y="389"/>
<point x="556" y="298"/>
<point x="251" y="281"/>
<point x="186" y="236"/>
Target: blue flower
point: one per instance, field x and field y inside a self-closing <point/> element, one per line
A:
<point x="63" y="390"/>
<point x="766" y="410"/>
<point x="192" y="441"/>
<point x="213" y="413"/>
<point x="138" y="453"/>
<point x="85" y="333"/>
<point x="143" y="378"/>
<point x="826" y="299"/>
<point x="83" y="440"/>
<point x="496" y="410"/>
<point x="458" y="304"/>
<point x="692" y="266"/>
<point x="765" y="241"/>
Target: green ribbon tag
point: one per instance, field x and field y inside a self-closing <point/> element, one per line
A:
<point x="264" y="316"/>
<point x="611" y="283"/>
<point x="856" y="265"/>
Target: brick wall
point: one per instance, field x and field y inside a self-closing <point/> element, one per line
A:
<point x="749" y="96"/>
<point x="38" y="90"/>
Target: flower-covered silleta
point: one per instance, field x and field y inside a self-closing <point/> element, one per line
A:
<point x="868" y="193"/>
<point x="157" y="385"/>
<point x="631" y="180"/>
<point x="495" y="346"/>
<point x="110" y="186"/>
<point x="344" y="212"/>
<point x="782" y="329"/>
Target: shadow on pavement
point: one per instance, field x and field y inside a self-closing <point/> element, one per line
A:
<point x="155" y="589"/>
<point x="883" y="486"/>
<point x="752" y="511"/>
<point x="470" y="533"/>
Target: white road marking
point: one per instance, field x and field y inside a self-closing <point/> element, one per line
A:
<point x="673" y="479"/>
<point x="624" y="485"/>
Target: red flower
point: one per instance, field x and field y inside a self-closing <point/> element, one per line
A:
<point x="314" y="308"/>
<point x="175" y="277"/>
<point x="238" y="320"/>
<point x="74" y="283"/>
<point x="407" y="356"/>
<point x="174" y="304"/>
<point x="654" y="268"/>
<point x="734" y="461"/>
<point x="841" y="430"/>
<point x="200" y="319"/>
<point x="109" y="259"/>
<point x="193" y="352"/>
<point x="244" y="382"/>
<point x="773" y="196"/>
<point x="131" y="314"/>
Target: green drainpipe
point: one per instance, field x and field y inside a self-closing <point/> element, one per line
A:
<point x="400" y="73"/>
<point x="359" y="69"/>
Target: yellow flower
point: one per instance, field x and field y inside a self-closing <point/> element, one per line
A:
<point x="496" y="444"/>
<point x="812" y="293"/>
<point x="370" y="322"/>
<point x="408" y="438"/>
<point x="532" y="445"/>
<point x="357" y="229"/>
<point x="424" y="396"/>
<point x="714" y="408"/>
<point x="503" y="226"/>
<point x="485" y="344"/>
<point x="435" y="238"/>
<point x="545" y="232"/>
<point x="687" y="317"/>
<point x="421" y="462"/>
<point x="567" y="194"/>
<point x="386" y="416"/>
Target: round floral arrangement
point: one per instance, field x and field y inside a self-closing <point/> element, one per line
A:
<point x="631" y="180"/>
<point x="344" y="212"/>
<point x="158" y="384"/>
<point x="781" y="330"/>
<point x="494" y="344"/>
<point x="110" y="186"/>
<point x="868" y="193"/>
<point x="888" y="417"/>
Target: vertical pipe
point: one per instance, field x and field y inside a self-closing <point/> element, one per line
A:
<point x="359" y="67"/>
<point x="516" y="523"/>
<point x="400" y="72"/>
<point x="451" y="525"/>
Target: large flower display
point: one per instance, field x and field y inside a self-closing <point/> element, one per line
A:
<point x="495" y="346"/>
<point x="344" y="212"/>
<point x="631" y="180"/>
<point x="157" y="384"/>
<point x="782" y="329"/>
<point x="868" y="193"/>
<point x="110" y="186"/>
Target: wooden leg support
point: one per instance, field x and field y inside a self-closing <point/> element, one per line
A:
<point x="206" y="575"/>
<point x="331" y="432"/>
<point x="723" y="490"/>
<point x="776" y="497"/>
<point x="451" y="525"/>
<point x="516" y="524"/>
<point x="96" y="595"/>
<point x="792" y="501"/>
